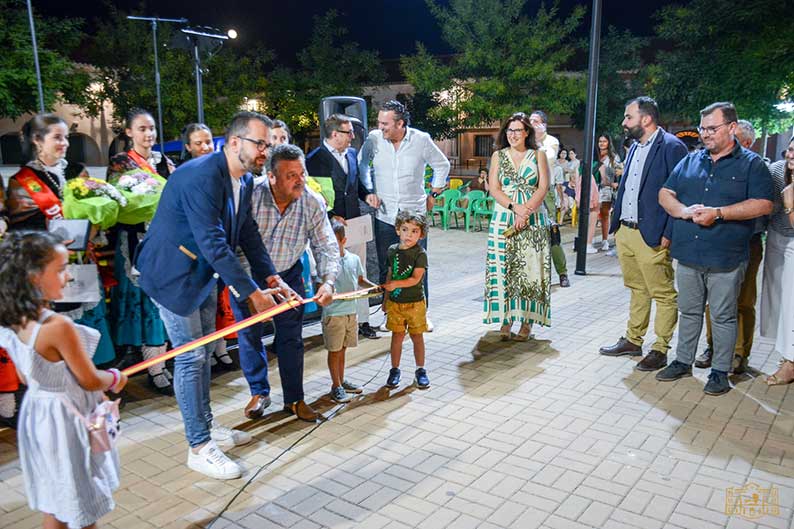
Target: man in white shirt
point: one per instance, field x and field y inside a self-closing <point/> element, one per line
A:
<point x="398" y="155"/>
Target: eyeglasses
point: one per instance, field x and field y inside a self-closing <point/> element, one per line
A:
<point x="261" y="145"/>
<point x="711" y="130"/>
<point x="345" y="131"/>
<point x="515" y="131"/>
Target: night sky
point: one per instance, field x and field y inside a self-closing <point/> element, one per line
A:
<point x="389" y="26"/>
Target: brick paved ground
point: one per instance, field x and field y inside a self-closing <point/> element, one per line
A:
<point x="541" y="434"/>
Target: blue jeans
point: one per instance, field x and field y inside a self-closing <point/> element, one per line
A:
<point x="385" y="236"/>
<point x="288" y="343"/>
<point x="192" y="369"/>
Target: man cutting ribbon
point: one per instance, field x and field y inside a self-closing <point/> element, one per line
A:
<point x="203" y="216"/>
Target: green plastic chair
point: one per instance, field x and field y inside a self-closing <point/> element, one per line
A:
<point x="448" y="198"/>
<point x="473" y="197"/>
<point x="483" y="207"/>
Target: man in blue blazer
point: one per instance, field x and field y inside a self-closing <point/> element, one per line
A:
<point x="337" y="160"/>
<point x="203" y="216"/>
<point x="643" y="232"/>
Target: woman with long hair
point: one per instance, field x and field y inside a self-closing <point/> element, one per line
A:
<point x="777" y="301"/>
<point x="196" y="141"/>
<point x="518" y="262"/>
<point x="606" y="165"/>
<point x="135" y="320"/>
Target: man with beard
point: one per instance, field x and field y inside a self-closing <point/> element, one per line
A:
<point x="203" y="215"/>
<point x="288" y="215"/>
<point x="644" y="231"/>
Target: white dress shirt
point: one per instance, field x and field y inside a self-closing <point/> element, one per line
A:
<point x="629" y="210"/>
<point x="340" y="156"/>
<point x="399" y="175"/>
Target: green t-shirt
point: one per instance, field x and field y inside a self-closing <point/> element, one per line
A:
<point x="402" y="264"/>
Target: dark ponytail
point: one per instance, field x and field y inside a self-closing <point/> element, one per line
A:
<point x="128" y="119"/>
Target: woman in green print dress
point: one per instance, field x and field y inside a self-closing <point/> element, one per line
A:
<point x="518" y="265"/>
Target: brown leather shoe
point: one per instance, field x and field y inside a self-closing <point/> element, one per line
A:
<point x="302" y="411"/>
<point x="623" y="347"/>
<point x="256" y="406"/>
<point x="653" y="360"/>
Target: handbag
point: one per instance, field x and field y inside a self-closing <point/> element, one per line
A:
<point x="102" y="424"/>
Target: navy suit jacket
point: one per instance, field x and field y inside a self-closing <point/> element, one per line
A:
<point x="653" y="220"/>
<point x="348" y="188"/>
<point x="192" y="239"/>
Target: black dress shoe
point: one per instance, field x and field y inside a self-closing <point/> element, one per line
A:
<point x="256" y="406"/>
<point x="621" y="348"/>
<point x="128" y="357"/>
<point x="703" y="360"/>
<point x="367" y="332"/>
<point x="652" y="361"/>
<point x="161" y="384"/>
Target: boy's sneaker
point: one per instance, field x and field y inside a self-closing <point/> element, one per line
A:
<point x="394" y="378"/>
<point x="422" y="382"/>
<point x="718" y="383"/>
<point x="674" y="371"/>
<point x="228" y="438"/>
<point x="604" y="246"/>
<point x="338" y="394"/>
<point x="352" y="388"/>
<point x="212" y="462"/>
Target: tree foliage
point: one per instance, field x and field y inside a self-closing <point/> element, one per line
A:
<point x="330" y="65"/>
<point x="62" y="79"/>
<point x="726" y="50"/>
<point x="122" y="50"/>
<point x="505" y="61"/>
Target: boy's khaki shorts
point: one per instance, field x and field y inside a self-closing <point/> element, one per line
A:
<point x="400" y="316"/>
<point x="340" y="332"/>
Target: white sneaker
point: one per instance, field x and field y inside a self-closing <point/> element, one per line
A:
<point x="212" y="462"/>
<point x="604" y="246"/>
<point x="228" y="438"/>
<point x="591" y="249"/>
<point x="430" y="325"/>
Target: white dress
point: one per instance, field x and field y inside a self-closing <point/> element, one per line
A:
<point x="62" y="476"/>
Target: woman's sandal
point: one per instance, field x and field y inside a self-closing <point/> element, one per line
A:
<point x="521" y="337"/>
<point x="505" y="334"/>
<point x="775" y="380"/>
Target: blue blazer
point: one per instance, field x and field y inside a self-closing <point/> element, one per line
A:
<point x="653" y="220"/>
<point x="192" y="239"/>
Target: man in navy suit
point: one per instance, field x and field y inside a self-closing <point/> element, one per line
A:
<point x="203" y="216"/>
<point x="337" y="160"/>
<point x="643" y="233"/>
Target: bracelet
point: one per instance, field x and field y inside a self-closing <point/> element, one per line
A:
<point x="116" y="378"/>
<point x="788" y="211"/>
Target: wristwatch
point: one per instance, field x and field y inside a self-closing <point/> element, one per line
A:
<point x="510" y="206"/>
<point x="719" y="214"/>
<point x="788" y="211"/>
<point x="435" y="194"/>
<point x="330" y="284"/>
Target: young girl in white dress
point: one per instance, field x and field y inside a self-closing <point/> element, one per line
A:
<point x="64" y="479"/>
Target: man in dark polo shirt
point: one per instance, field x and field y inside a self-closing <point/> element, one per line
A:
<point x="713" y="194"/>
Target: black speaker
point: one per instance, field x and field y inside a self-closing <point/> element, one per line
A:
<point x="353" y="107"/>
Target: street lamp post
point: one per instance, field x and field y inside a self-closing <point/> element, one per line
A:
<point x="154" y="21"/>
<point x="589" y="139"/>
<point x="194" y="34"/>
<point x="36" y="57"/>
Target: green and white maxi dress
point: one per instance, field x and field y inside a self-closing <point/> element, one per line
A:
<point x="518" y="268"/>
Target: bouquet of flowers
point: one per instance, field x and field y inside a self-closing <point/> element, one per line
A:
<point x="142" y="190"/>
<point x="92" y="199"/>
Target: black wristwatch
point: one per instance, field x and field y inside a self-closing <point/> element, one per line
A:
<point x="510" y="206"/>
<point x="434" y="194"/>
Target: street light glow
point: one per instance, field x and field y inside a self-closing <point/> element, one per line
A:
<point x="232" y="33"/>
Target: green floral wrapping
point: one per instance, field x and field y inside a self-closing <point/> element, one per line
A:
<point x="142" y="190"/>
<point x="100" y="211"/>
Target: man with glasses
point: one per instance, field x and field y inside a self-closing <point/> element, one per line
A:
<point x="643" y="231"/>
<point x="203" y="216"/>
<point x="713" y="195"/>
<point x="399" y="154"/>
<point x="337" y="160"/>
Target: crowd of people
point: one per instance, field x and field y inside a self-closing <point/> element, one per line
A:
<point x="231" y="227"/>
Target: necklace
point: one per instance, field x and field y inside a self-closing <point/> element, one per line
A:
<point x="53" y="181"/>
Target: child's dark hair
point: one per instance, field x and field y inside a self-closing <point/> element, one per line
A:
<point x="409" y="216"/>
<point x="23" y="253"/>
<point x="339" y="229"/>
